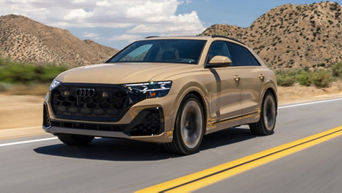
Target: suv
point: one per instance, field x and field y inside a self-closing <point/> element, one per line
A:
<point x="170" y="90"/>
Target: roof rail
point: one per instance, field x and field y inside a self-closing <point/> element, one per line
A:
<point x="221" y="36"/>
<point x="151" y="37"/>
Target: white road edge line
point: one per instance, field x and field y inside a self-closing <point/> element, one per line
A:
<point x="309" y="103"/>
<point x="281" y="107"/>
<point x="27" y="141"/>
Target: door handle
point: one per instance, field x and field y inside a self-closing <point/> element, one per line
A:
<point x="237" y="78"/>
<point x="261" y="77"/>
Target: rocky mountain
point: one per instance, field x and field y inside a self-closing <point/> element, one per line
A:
<point x="293" y="36"/>
<point x="25" y="40"/>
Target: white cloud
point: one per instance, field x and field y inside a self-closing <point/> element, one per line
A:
<point x="91" y="35"/>
<point x="136" y="16"/>
<point x="126" y="37"/>
<point x="186" y="24"/>
<point x="78" y="14"/>
<point x="152" y="9"/>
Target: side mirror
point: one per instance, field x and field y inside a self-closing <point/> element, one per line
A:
<point x="220" y="61"/>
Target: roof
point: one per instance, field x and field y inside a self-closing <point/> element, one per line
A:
<point x="193" y="37"/>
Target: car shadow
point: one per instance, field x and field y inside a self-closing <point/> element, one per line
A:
<point x="226" y="137"/>
<point x="126" y="150"/>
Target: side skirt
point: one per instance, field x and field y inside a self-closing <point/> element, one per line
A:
<point x="225" y="124"/>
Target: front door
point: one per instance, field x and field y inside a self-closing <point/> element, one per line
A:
<point x="226" y="100"/>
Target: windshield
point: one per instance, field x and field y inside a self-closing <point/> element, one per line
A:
<point x="168" y="51"/>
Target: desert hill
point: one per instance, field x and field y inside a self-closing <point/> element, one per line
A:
<point x="293" y="36"/>
<point x="25" y="40"/>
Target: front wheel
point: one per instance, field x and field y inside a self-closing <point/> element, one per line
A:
<point x="70" y="139"/>
<point x="268" y="117"/>
<point x="189" y="127"/>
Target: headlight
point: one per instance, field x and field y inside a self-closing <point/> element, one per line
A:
<point x="54" y="84"/>
<point x="151" y="89"/>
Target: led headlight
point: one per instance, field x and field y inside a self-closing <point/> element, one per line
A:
<point x="54" y="84"/>
<point x="151" y="89"/>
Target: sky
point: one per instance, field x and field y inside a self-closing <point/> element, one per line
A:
<point x="116" y="23"/>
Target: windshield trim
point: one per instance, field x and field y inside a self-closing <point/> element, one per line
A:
<point x="199" y="58"/>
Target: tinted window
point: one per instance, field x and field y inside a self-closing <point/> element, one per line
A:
<point x="218" y="48"/>
<point x="169" y="51"/>
<point x="241" y="56"/>
<point x="137" y="54"/>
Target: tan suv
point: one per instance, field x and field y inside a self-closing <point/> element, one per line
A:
<point x="170" y="90"/>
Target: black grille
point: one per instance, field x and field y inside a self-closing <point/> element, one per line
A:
<point x="147" y="122"/>
<point x="87" y="126"/>
<point x="46" y="117"/>
<point x="90" y="102"/>
<point x="150" y="123"/>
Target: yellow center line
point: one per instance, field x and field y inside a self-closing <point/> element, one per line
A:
<point x="198" y="180"/>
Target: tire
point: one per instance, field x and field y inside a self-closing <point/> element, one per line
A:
<point x="75" y="140"/>
<point x="268" y="116"/>
<point x="189" y="127"/>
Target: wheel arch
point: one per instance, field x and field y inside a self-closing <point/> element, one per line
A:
<point x="200" y="97"/>
<point x="273" y="92"/>
<point x="200" y="93"/>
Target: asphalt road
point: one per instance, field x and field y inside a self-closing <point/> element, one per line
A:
<point x="117" y="166"/>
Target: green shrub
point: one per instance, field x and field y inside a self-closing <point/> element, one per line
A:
<point x="304" y="78"/>
<point x="322" y="78"/>
<point x="4" y="86"/>
<point x="5" y="61"/>
<point x="337" y="69"/>
<point x="17" y="73"/>
<point x="29" y="73"/>
<point x="284" y="79"/>
<point x="49" y="72"/>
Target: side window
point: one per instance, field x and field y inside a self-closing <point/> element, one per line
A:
<point x="241" y="56"/>
<point x="218" y="48"/>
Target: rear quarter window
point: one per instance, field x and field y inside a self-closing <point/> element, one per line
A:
<point x="241" y="56"/>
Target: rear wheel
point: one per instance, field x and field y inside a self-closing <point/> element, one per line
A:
<point x="189" y="127"/>
<point x="70" y="139"/>
<point x="268" y="116"/>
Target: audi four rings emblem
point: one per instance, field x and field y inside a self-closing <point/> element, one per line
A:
<point x="85" y="92"/>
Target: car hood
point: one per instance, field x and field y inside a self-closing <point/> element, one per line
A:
<point x="120" y="73"/>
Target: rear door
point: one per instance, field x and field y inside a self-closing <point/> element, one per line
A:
<point x="250" y="75"/>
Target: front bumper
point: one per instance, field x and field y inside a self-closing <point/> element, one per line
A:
<point x="150" y="120"/>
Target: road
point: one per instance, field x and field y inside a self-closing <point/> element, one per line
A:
<point x="121" y="166"/>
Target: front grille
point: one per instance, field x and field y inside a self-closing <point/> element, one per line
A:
<point x="90" y="102"/>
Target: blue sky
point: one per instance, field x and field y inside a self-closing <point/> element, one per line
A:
<point x="116" y="23"/>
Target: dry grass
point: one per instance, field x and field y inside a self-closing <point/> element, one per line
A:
<point x="298" y="93"/>
<point x="20" y="111"/>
